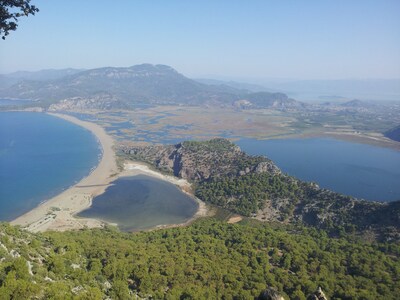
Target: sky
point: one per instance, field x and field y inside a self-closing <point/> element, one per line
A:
<point x="310" y="39"/>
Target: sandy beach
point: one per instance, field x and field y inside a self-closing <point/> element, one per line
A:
<point x="58" y="213"/>
<point x="132" y="168"/>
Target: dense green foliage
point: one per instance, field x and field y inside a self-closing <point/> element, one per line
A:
<point x="253" y="186"/>
<point x="11" y="11"/>
<point x="211" y="145"/>
<point x="248" y="193"/>
<point x="299" y="201"/>
<point x="207" y="260"/>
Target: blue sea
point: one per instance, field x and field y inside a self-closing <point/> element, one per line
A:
<point x="359" y="170"/>
<point x="40" y="156"/>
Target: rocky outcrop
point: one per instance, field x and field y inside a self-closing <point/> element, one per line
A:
<point x="254" y="186"/>
<point x="317" y="295"/>
<point x="101" y="101"/>
<point x="270" y="294"/>
<point x="199" y="161"/>
<point x="266" y="167"/>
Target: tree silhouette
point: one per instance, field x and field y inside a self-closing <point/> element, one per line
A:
<point x="10" y="11"/>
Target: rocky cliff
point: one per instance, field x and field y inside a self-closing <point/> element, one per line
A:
<point x="254" y="186"/>
<point x="202" y="161"/>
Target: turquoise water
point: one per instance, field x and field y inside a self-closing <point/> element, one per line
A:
<point x="40" y="155"/>
<point x="359" y="170"/>
<point x="141" y="202"/>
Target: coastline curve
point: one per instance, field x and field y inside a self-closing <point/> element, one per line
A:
<point x="58" y="212"/>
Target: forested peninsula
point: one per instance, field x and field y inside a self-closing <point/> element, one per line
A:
<point x="254" y="186"/>
<point x="296" y="241"/>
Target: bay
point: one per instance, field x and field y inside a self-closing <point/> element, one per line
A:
<point x="40" y="156"/>
<point x="359" y="170"/>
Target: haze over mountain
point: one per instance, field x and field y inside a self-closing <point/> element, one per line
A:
<point x="7" y="80"/>
<point x="235" y="84"/>
<point x="112" y="87"/>
<point x="318" y="90"/>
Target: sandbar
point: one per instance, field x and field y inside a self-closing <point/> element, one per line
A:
<point x="58" y="212"/>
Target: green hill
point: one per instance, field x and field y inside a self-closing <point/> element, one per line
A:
<point x="207" y="260"/>
<point x="253" y="186"/>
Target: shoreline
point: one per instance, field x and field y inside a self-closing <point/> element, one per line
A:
<point x="57" y="213"/>
<point x="377" y="141"/>
<point x="133" y="168"/>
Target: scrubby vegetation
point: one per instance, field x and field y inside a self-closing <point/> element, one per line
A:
<point x="253" y="186"/>
<point x="207" y="260"/>
<point x="248" y="193"/>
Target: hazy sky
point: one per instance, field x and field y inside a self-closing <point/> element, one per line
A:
<point x="307" y="39"/>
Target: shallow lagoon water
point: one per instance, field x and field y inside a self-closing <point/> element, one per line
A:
<point x="141" y="202"/>
<point x="359" y="170"/>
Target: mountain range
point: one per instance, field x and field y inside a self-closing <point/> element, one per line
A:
<point x="127" y="87"/>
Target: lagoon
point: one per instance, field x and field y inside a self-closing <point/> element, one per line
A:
<point x="359" y="170"/>
<point x="141" y="202"/>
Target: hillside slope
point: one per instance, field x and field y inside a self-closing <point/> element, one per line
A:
<point x="393" y="133"/>
<point x="207" y="260"/>
<point x="254" y="186"/>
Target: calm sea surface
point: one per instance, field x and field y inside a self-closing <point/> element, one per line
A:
<point x="359" y="170"/>
<point x="40" y="155"/>
<point x="140" y="202"/>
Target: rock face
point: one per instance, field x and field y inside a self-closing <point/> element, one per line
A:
<point x="270" y="294"/>
<point x="318" y="295"/>
<point x="199" y="161"/>
<point x="103" y="101"/>
<point x="254" y="186"/>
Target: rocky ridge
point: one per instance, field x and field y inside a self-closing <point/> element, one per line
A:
<point x="102" y="101"/>
<point x="254" y="186"/>
<point x="192" y="160"/>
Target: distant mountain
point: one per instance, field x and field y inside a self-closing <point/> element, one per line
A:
<point x="273" y="100"/>
<point x="393" y="133"/>
<point x="146" y="83"/>
<point x="43" y="75"/>
<point x="7" y="80"/>
<point x="355" y="103"/>
<point x="237" y="85"/>
<point x="364" y="89"/>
